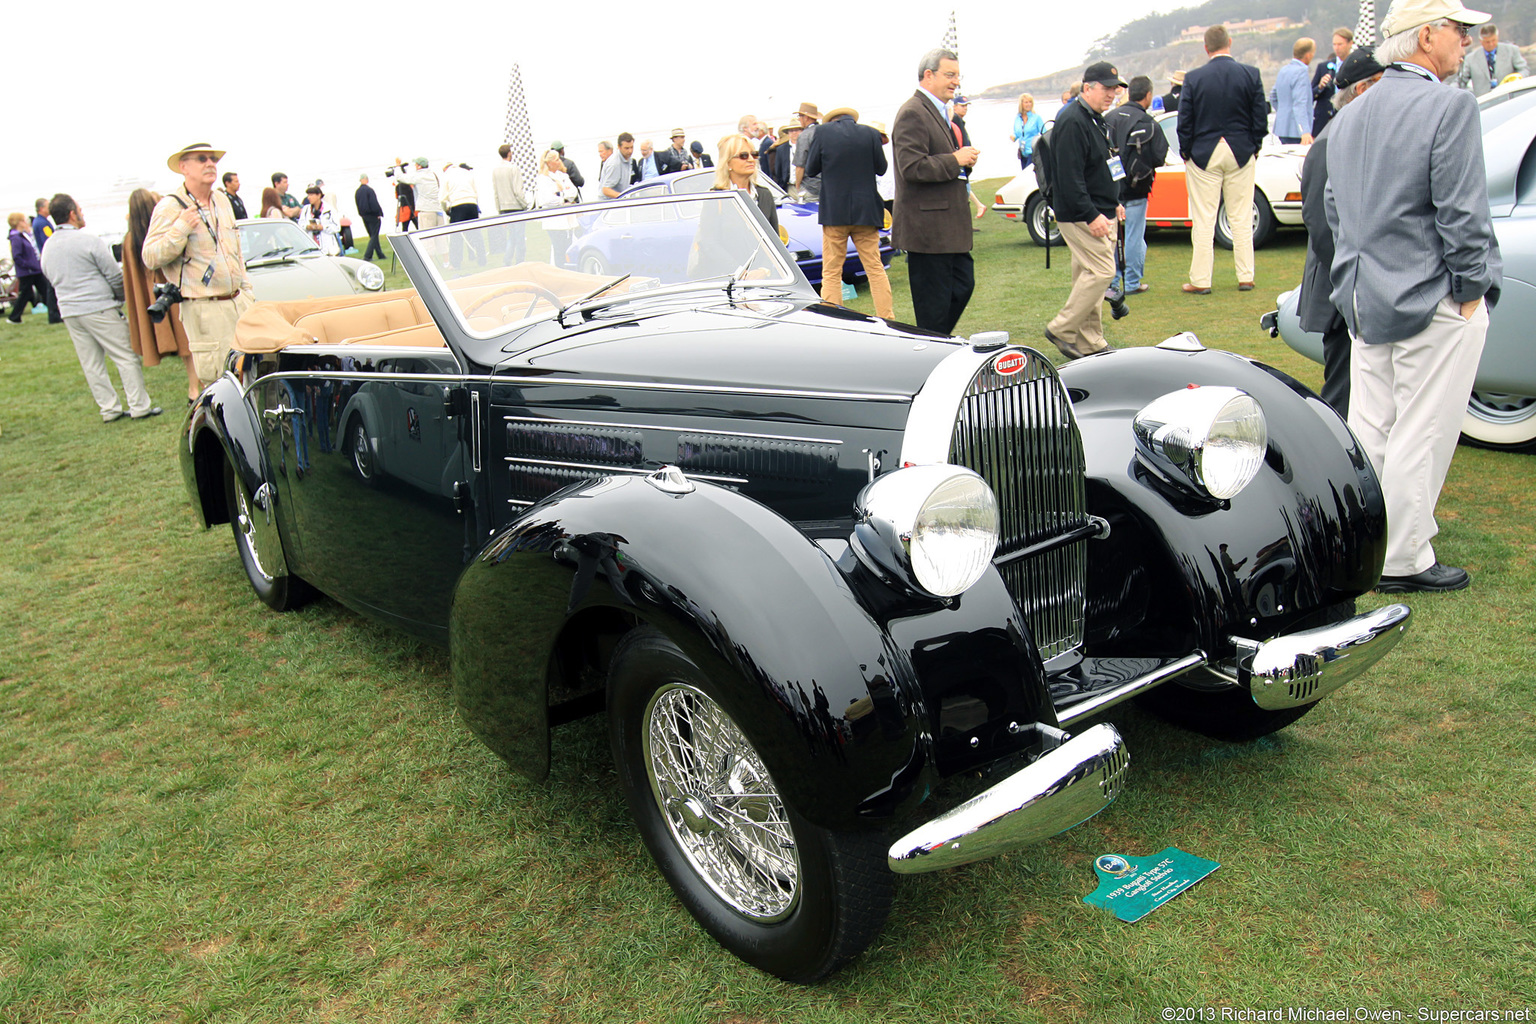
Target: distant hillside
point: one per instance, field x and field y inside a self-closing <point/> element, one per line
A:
<point x="1151" y="45"/>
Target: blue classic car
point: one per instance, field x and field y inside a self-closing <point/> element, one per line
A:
<point x="853" y="597"/>
<point x="1501" y="411"/>
<point x="607" y="240"/>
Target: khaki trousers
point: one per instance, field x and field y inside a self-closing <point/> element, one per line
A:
<point x="834" y="252"/>
<point x="99" y="337"/>
<point x="210" y="325"/>
<point x="1406" y="402"/>
<point x="1222" y="180"/>
<point x="1079" y="327"/>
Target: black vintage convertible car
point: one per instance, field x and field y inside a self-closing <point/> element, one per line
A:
<point x="852" y="595"/>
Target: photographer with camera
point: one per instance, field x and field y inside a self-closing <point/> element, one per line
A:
<point x="1086" y="179"/>
<point x="88" y="285"/>
<point x="193" y="241"/>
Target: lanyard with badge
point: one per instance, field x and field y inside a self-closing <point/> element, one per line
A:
<point x="1116" y="168"/>
<point x="209" y="221"/>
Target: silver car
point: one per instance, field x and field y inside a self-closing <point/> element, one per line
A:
<point x="285" y="263"/>
<point x="1502" y="410"/>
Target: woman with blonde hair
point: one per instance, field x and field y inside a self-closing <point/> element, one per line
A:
<point x="738" y="169"/>
<point x="553" y="187"/>
<point x="149" y="339"/>
<point x="1027" y="127"/>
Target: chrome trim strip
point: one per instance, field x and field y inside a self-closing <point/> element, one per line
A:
<point x="665" y="426"/>
<point x="474" y="412"/>
<point x="936" y="406"/>
<point x="708" y="389"/>
<point x="1061" y="789"/>
<point x="452" y="378"/>
<point x="1299" y="668"/>
<point x="1109" y="698"/>
<point x="618" y="469"/>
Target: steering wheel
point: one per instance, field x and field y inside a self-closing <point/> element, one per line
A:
<point x="514" y="288"/>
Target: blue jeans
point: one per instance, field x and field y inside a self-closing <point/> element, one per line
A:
<point x="1135" y="242"/>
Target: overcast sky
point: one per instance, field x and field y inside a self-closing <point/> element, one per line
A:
<point x="358" y="84"/>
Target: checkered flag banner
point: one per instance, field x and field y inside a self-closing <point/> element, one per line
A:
<point x="951" y="37"/>
<point x="518" y="133"/>
<point x="1365" y="28"/>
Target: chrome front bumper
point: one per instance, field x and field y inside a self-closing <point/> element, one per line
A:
<point x="1299" y="668"/>
<point x="1063" y="788"/>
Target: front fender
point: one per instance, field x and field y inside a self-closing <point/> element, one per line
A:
<point x="813" y="680"/>
<point x="1180" y="571"/>
<point x="220" y="427"/>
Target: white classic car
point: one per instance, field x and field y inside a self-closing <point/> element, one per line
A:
<point x="285" y="263"/>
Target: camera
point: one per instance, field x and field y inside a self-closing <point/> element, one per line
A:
<point x="166" y="296"/>
<point x="390" y="173"/>
<point x="1115" y="296"/>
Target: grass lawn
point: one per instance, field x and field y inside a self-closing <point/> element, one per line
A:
<point x="211" y="812"/>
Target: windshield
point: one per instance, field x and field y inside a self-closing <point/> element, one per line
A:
<point x="500" y="275"/>
<point x="274" y="239"/>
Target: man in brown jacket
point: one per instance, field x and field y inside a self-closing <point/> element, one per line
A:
<point x="931" y="221"/>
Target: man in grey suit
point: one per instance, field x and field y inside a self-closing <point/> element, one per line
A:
<point x="1487" y="67"/>
<point x="931" y="220"/>
<point x="1415" y="269"/>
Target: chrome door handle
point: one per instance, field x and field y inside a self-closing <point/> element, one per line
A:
<point x="281" y="410"/>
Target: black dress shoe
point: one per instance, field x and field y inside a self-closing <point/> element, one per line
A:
<point x="1436" y="577"/>
<point x="154" y="410"/>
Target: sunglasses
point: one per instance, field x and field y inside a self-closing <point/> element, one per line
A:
<point x="745" y="156"/>
<point x="203" y="158"/>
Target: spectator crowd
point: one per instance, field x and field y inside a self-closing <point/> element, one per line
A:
<point x="1400" y="276"/>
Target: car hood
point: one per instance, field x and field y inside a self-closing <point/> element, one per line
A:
<point x="775" y="344"/>
<point x="307" y="277"/>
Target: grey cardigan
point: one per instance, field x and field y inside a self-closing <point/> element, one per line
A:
<point x="1407" y="201"/>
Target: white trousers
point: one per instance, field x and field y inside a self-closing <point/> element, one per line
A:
<point x="99" y="337"/>
<point x="1406" y="403"/>
<point x="1220" y="181"/>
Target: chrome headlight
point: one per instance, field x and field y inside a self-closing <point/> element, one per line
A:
<point x="369" y="276"/>
<point x="933" y="527"/>
<point x="1214" y="437"/>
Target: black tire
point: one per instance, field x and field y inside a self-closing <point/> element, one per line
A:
<point x="799" y="916"/>
<point x="1263" y="223"/>
<point x="1035" y="215"/>
<point x="1229" y="715"/>
<point x="1499" y="421"/>
<point x="279" y="590"/>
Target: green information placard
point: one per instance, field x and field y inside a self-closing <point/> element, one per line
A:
<point x="1133" y="887"/>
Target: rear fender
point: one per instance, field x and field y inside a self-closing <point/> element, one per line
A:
<point x="220" y="428"/>
<point x="815" y="683"/>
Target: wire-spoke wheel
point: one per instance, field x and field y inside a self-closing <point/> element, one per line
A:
<point x="786" y="896"/>
<point x="720" y="803"/>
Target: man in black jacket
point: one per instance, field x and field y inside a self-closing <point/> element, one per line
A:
<point x="848" y="157"/>
<point x="1087" y="202"/>
<point x="368" y="208"/>
<point x="1142" y="147"/>
<point x="1223" y="119"/>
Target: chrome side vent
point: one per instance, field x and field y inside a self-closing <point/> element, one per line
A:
<point x="533" y="439"/>
<point x="1017" y="431"/>
<point x="1115" y="767"/>
<point x="757" y="458"/>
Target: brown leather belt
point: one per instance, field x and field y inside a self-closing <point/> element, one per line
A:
<point x="214" y="298"/>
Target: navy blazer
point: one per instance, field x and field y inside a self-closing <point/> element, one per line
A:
<point x="1222" y="99"/>
<point x="849" y="157"/>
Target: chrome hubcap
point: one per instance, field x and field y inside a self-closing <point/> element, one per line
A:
<point x="1497" y="407"/>
<point x="247" y="526"/>
<point x="720" y="805"/>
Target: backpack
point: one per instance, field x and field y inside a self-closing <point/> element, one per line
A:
<point x="1045" y="166"/>
<point x="1138" y="163"/>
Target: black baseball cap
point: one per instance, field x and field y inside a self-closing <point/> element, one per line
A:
<point x="1104" y="73"/>
<point x="1357" y="67"/>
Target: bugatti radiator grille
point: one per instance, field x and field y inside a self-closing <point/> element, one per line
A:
<point x="1017" y="431"/>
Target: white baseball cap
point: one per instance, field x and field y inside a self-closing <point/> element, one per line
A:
<point x="1406" y="15"/>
